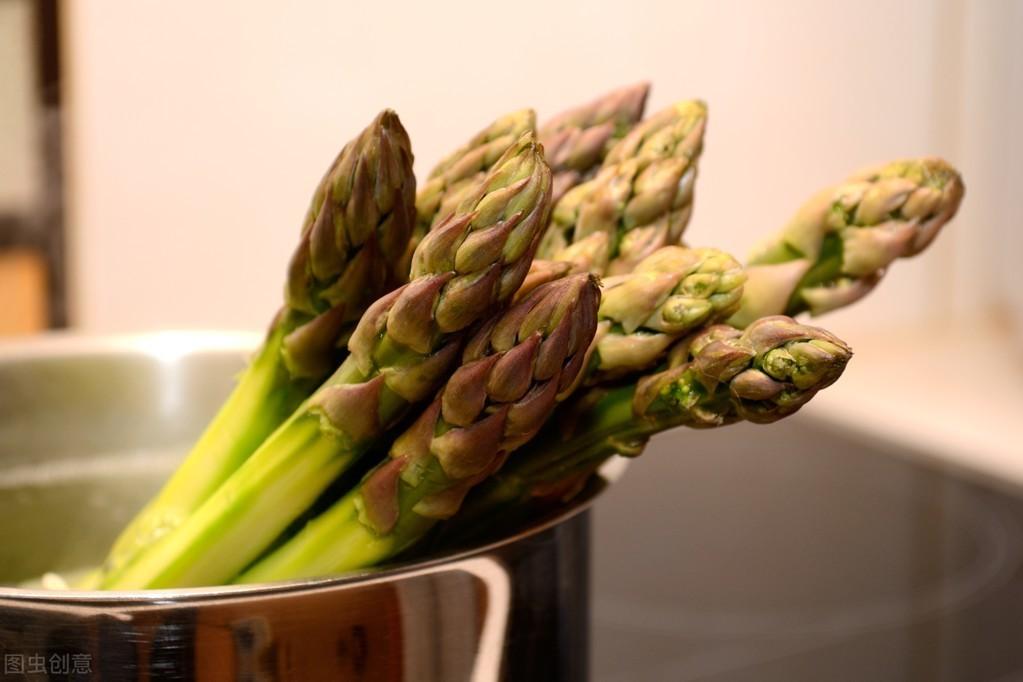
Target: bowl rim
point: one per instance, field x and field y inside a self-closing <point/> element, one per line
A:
<point x="171" y="345"/>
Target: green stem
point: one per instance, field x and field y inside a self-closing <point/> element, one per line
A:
<point x="827" y="268"/>
<point x="252" y="507"/>
<point x="262" y="400"/>
<point x="245" y="515"/>
<point x="606" y="429"/>
<point x="605" y="419"/>
<point x="337" y="541"/>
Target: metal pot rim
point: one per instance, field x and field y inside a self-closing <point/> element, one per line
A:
<point x="169" y="345"/>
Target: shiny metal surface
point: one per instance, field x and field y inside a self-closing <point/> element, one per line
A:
<point x="88" y="430"/>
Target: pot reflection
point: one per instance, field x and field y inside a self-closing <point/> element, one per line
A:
<point x="79" y="423"/>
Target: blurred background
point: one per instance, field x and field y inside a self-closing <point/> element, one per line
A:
<point x="156" y="160"/>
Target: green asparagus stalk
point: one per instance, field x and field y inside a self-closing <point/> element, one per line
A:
<point x="357" y="227"/>
<point x="718" y="376"/>
<point x="838" y="246"/>
<point x="640" y="200"/>
<point x="904" y="205"/>
<point x="672" y="292"/>
<point x="540" y="272"/>
<point x="577" y="150"/>
<point x="586" y="255"/>
<point x="577" y="140"/>
<point x="578" y="258"/>
<point x="400" y="353"/>
<point x="513" y="373"/>
<point x="459" y="173"/>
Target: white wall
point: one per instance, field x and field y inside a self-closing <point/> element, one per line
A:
<point x="197" y="130"/>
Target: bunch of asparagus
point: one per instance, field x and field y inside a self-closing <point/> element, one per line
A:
<point x="480" y="349"/>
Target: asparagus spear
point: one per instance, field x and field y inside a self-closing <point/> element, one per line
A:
<point x="586" y="255"/>
<point x="839" y="244"/>
<point x="642" y="197"/>
<point x="715" y="377"/>
<point x="904" y="205"/>
<point x="577" y="140"/>
<point x="595" y="219"/>
<point x="540" y="272"/>
<point x="575" y="143"/>
<point x="357" y="226"/>
<point x="514" y="371"/>
<point x="400" y="353"/>
<point x="459" y="173"/>
<point x="671" y="292"/>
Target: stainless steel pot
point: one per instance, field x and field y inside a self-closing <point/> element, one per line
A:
<point x="88" y="430"/>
